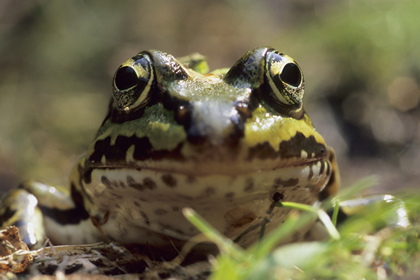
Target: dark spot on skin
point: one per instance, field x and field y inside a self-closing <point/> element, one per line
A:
<point x="115" y="152"/>
<point x="229" y="195"/>
<point x="146" y="184"/>
<point x="293" y="147"/>
<point x="106" y="182"/>
<point x="160" y="212"/>
<point x="136" y="204"/>
<point x="169" y="180"/>
<point x="191" y="179"/>
<point x="280" y="183"/>
<point x="105" y="218"/>
<point x="262" y="151"/>
<point x="149" y="183"/>
<point x="133" y="184"/>
<point x="117" y="196"/>
<point x="209" y="191"/>
<point x="249" y="185"/>
<point x="175" y="208"/>
<point x="289" y="149"/>
<point x="278" y="196"/>
<point x="145" y="218"/>
<point x="143" y="150"/>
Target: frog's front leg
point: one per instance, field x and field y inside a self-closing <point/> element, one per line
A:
<point x="19" y="207"/>
<point x="41" y="211"/>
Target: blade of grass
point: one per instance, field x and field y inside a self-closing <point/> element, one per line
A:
<point x="293" y="223"/>
<point x="225" y="245"/>
<point x="322" y="215"/>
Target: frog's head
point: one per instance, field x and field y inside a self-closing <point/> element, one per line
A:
<point x="165" y="116"/>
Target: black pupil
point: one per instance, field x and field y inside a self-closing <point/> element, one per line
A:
<point x="125" y="78"/>
<point x="291" y="74"/>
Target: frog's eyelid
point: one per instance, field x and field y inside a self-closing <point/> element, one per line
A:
<point x="246" y="72"/>
<point x="167" y="67"/>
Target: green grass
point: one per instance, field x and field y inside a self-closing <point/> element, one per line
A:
<point x="360" y="248"/>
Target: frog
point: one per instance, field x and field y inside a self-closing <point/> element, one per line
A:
<point x="228" y="144"/>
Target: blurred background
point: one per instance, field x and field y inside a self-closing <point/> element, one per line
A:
<point x="360" y="58"/>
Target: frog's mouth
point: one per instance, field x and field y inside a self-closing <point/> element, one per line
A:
<point x="206" y="168"/>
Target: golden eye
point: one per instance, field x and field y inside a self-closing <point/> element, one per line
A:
<point x="132" y="82"/>
<point x="284" y="77"/>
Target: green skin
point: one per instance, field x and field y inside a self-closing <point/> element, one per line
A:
<point x="228" y="144"/>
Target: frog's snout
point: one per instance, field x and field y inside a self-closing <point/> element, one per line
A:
<point x="216" y="123"/>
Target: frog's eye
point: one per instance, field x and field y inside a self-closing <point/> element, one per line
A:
<point x="125" y="78"/>
<point x="285" y="78"/>
<point x="132" y="82"/>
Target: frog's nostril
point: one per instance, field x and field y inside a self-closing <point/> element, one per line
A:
<point x="243" y="111"/>
<point x="182" y="114"/>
